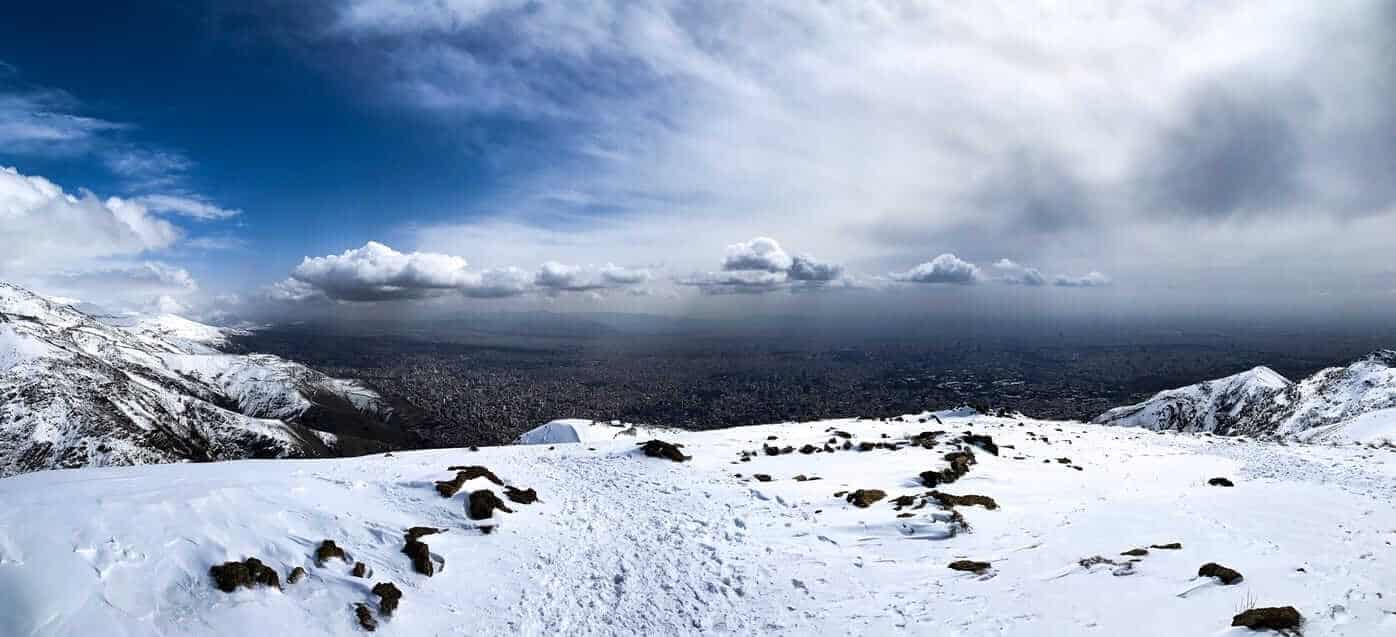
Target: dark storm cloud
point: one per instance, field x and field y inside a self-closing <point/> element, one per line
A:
<point x="1233" y="151"/>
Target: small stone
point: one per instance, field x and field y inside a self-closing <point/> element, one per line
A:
<point x="1220" y="482"/>
<point x="360" y="570"/>
<point x="297" y="574"/>
<point x="761" y="477"/>
<point x="1171" y="546"/>
<point x="970" y="566"/>
<point x="1136" y="552"/>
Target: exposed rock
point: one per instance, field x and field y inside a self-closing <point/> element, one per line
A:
<point x="863" y="498"/>
<point x="1226" y="575"/>
<point x="483" y="504"/>
<point x="365" y="616"/>
<point x="926" y="439"/>
<point x="1281" y="618"/>
<point x="970" y="566"/>
<point x="1171" y="546"/>
<point x="965" y="500"/>
<point x="297" y="574"/>
<point x="420" y="554"/>
<point x="360" y="570"/>
<point x="327" y="551"/>
<point x="804" y="478"/>
<point x="388" y="597"/>
<point x="249" y="573"/>
<point x="417" y="532"/>
<point x="866" y="446"/>
<point x="761" y="477"/>
<point x="808" y="449"/>
<point x="1064" y="460"/>
<point x="521" y="496"/>
<point x="983" y="442"/>
<point x="661" y="449"/>
<point x="1136" y="552"/>
<point x="842" y="434"/>
<point x="1095" y="560"/>
<point x="1220" y="482"/>
<point x="770" y="451"/>
<point x="449" y="488"/>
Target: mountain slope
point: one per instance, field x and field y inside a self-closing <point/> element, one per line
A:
<point x="623" y="544"/>
<point x="1260" y="402"/>
<point x="79" y="391"/>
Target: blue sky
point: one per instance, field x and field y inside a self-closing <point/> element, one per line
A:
<point x="280" y="159"/>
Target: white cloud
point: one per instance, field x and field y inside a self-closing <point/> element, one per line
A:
<point x="1090" y="280"/>
<point x="946" y="268"/>
<point x="192" y="206"/>
<point x="376" y="272"/>
<point x="46" y="228"/>
<point x="1048" y="137"/>
<point x="1018" y="274"/>
<point x="761" y="253"/>
<point x="761" y="265"/>
<point x="554" y="276"/>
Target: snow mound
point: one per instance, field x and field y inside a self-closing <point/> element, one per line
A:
<point x="572" y="430"/>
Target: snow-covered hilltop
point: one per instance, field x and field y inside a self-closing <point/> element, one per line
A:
<point x="78" y="390"/>
<point x="1354" y="403"/>
<point x="820" y="528"/>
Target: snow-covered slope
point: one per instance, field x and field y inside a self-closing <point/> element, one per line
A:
<point x="1260" y="402"/>
<point x="1243" y="403"/>
<point x="78" y="391"/>
<point x="624" y="544"/>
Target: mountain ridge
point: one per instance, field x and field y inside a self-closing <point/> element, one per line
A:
<point x="77" y="390"/>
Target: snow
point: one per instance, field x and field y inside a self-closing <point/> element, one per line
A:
<point x="623" y="544"/>
<point x="1373" y="428"/>
<point x="572" y="430"/>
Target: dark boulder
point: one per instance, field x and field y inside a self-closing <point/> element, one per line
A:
<point x="420" y="554"/>
<point x="483" y="504"/>
<point x="365" y="616"/>
<point x="297" y="574"/>
<point x="249" y="573"/>
<point x="521" y="496"/>
<point x="328" y="551"/>
<point x="761" y="477"/>
<point x="1220" y="482"/>
<point x="983" y="442"/>
<point x="388" y="597"/>
<point x="1226" y="575"/>
<point x="863" y="498"/>
<point x="1281" y="618"/>
<point x="1171" y="546"/>
<point x="969" y="566"/>
<point x="360" y="570"/>
<point x="661" y="449"/>
<point x="965" y="500"/>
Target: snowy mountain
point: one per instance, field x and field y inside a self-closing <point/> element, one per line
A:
<point x="1069" y="530"/>
<point x="78" y="390"/>
<point x="1260" y="402"/>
